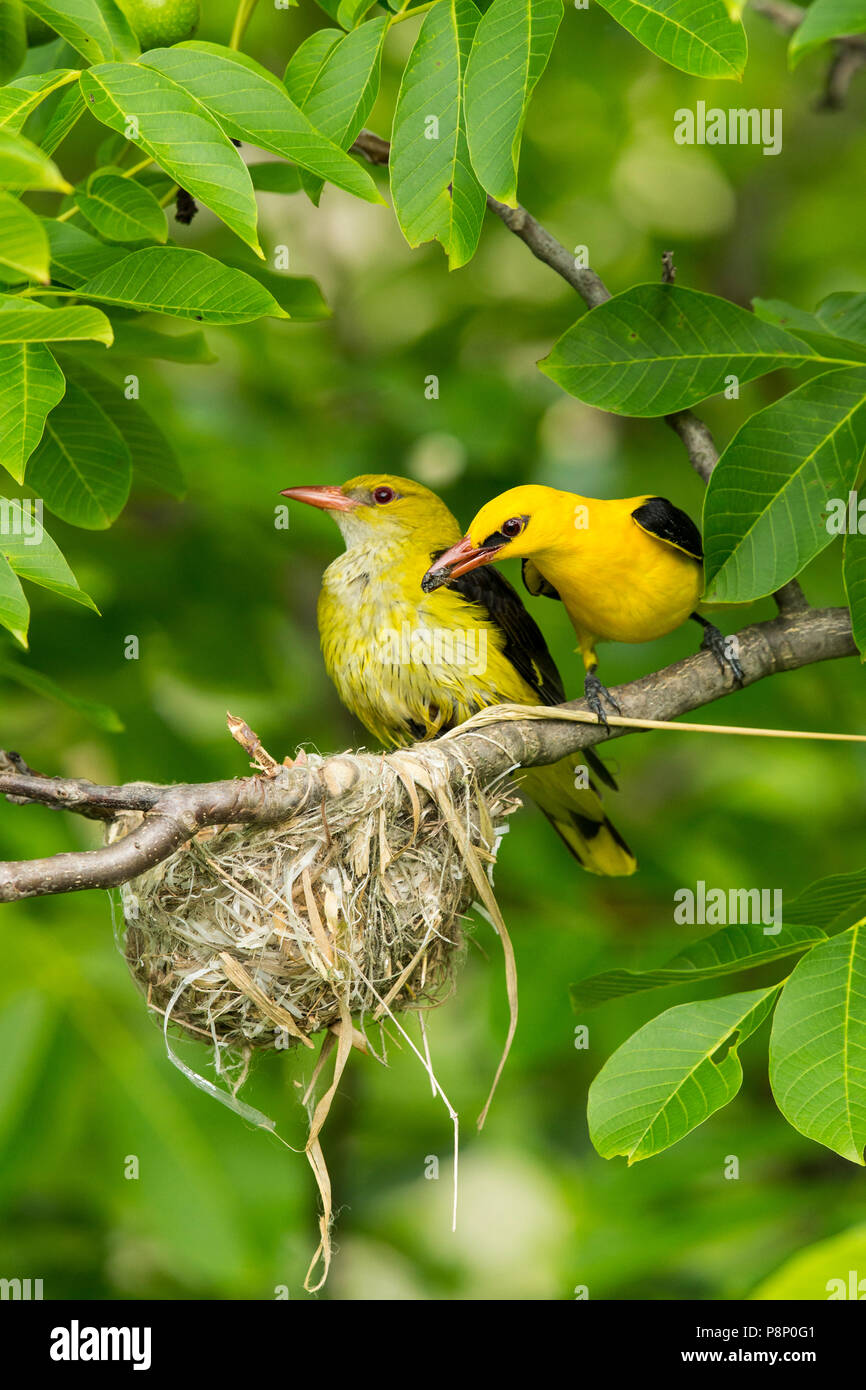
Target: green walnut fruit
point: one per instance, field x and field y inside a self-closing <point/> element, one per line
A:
<point x="160" y="23"/>
<point x="38" y="33"/>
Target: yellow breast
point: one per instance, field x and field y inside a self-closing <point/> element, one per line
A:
<point x="617" y="582"/>
<point x="408" y="664"/>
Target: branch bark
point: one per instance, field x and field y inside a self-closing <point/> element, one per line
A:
<point x="849" y="52"/>
<point x="174" y="814"/>
<point x="694" y="434"/>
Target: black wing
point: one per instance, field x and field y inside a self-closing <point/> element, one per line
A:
<point x="535" y="582"/>
<point x="660" y="518"/>
<point x="525" y="646"/>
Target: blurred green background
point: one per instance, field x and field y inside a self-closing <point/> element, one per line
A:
<point x="223" y="605"/>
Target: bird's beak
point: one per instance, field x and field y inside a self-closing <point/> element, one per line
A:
<point x="460" y="559"/>
<point x="330" y="499"/>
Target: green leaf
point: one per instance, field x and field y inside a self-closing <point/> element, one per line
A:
<point x="818" y="1045"/>
<point x="23" y="243"/>
<point x="66" y="115"/>
<point x="330" y="7"/>
<point x="825" y="20"/>
<point x="185" y="283"/>
<point x="121" y="209"/>
<point x="436" y="194"/>
<point x="14" y="608"/>
<point x="99" y="715"/>
<point x="31" y="384"/>
<point x="125" y="45"/>
<point x="854" y="575"/>
<point x="82" y="468"/>
<point x="306" y="62"/>
<point x="838" y="325"/>
<point x="33" y="555"/>
<point x="725" y="952"/>
<point x="344" y="89"/>
<point x="829" y="900"/>
<point x="512" y="44"/>
<point x="21" y="97"/>
<point x="80" y="22"/>
<point x="786" y="316"/>
<point x="275" y="177"/>
<point x="351" y="12"/>
<point x="13" y="38"/>
<point x="76" y="255"/>
<point x="765" y="513"/>
<point x="845" y="315"/>
<point x="660" y="348"/>
<point x="253" y="105"/>
<point x="166" y="121"/>
<point x="33" y="323"/>
<point x="299" y="295"/>
<point x="821" y="1271"/>
<point x="24" y="166"/>
<point x="666" y="1079"/>
<point x="154" y="461"/>
<point x="703" y="37"/>
<point x="820" y="336"/>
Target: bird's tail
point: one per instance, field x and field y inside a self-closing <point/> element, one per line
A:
<point x="575" y="811"/>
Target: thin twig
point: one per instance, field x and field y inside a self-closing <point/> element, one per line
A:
<point x="849" y="51"/>
<point x="799" y="636"/>
<point x="693" y="433"/>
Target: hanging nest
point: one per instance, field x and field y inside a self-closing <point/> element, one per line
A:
<point x="349" y="912"/>
<point x="251" y="933"/>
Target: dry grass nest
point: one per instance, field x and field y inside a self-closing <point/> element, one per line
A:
<point x="349" y="912"/>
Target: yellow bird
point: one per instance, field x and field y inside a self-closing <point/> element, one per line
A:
<point x="411" y="665"/>
<point x="627" y="570"/>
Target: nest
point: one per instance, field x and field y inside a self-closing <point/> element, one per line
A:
<point x="349" y="912"/>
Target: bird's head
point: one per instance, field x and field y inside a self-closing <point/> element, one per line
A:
<point x="379" y="508"/>
<point x="517" y="523"/>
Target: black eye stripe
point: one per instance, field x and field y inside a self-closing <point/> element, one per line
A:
<point x="499" y="538"/>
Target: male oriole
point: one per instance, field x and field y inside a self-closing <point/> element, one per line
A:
<point x="627" y="570"/>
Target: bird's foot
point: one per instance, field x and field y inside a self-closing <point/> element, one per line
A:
<point x="594" y="693"/>
<point x="724" y="649"/>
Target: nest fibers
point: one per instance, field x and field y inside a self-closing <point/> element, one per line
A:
<point x="351" y="910"/>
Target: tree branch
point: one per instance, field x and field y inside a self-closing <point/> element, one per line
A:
<point x="849" y="56"/>
<point x="849" y="52"/>
<point x="694" y="434"/>
<point x="785" y="16"/>
<point x="172" y="815"/>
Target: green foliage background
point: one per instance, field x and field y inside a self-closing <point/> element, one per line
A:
<point x="224" y="607"/>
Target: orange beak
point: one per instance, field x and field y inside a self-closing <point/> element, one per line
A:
<point x="460" y="559"/>
<point x="330" y="499"/>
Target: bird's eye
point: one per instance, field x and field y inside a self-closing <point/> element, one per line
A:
<point x="512" y="527"/>
<point x="381" y="495"/>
